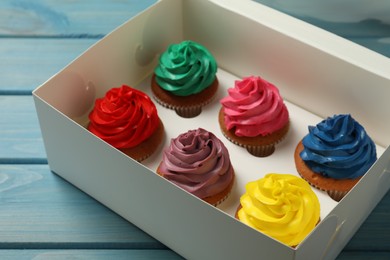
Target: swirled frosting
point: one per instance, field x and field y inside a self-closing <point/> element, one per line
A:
<point x="124" y="117"/>
<point x="338" y="147"/>
<point x="282" y="206"/>
<point x="186" y="68"/>
<point x="198" y="162"/>
<point x="254" y="107"/>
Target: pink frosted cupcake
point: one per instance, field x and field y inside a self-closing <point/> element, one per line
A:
<point x="254" y="116"/>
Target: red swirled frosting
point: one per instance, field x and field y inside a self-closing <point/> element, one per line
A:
<point x="124" y="117"/>
<point x="198" y="162"/>
<point x="254" y="107"/>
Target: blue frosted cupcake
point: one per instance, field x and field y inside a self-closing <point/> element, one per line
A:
<point x="335" y="154"/>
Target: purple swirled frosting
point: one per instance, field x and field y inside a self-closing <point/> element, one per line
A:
<point x="198" y="162"/>
<point x="338" y="147"/>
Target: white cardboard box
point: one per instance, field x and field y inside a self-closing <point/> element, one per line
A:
<point x="318" y="74"/>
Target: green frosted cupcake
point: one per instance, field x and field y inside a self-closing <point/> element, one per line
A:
<point x="185" y="79"/>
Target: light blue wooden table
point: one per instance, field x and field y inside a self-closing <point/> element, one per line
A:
<point x="41" y="215"/>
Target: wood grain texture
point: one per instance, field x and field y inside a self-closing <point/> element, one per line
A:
<point x="41" y="210"/>
<point x="27" y="63"/>
<point x="364" y="255"/>
<point x="89" y="254"/>
<point x="20" y="135"/>
<point x="364" y="24"/>
<point x="141" y="254"/>
<point x="374" y="233"/>
<point x="55" y="18"/>
<point x="41" y="215"/>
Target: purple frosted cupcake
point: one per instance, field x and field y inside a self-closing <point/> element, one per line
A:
<point x="198" y="162"/>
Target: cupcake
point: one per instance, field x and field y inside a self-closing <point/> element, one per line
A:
<point x="185" y="78"/>
<point x="198" y="162"/>
<point x="335" y="154"/>
<point x="282" y="206"/>
<point x="127" y="119"/>
<point x="254" y="116"/>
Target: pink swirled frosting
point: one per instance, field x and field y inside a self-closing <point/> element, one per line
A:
<point x="198" y="162"/>
<point x="254" y="107"/>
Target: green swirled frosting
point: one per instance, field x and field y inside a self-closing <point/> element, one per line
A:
<point x="186" y="68"/>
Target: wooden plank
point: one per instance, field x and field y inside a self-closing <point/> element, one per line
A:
<point x="374" y="234"/>
<point x="89" y="254"/>
<point x="380" y="45"/>
<point x="20" y="135"/>
<point x="41" y="210"/>
<point x="144" y="254"/>
<point x="364" y="255"/>
<point x="364" y="26"/>
<point x="66" y="18"/>
<point x="365" y="20"/>
<point x="27" y="63"/>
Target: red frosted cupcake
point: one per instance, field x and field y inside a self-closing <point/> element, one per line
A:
<point x="127" y="119"/>
<point x="254" y="116"/>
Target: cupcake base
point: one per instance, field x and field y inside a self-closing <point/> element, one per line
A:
<point x="220" y="197"/>
<point x="147" y="147"/>
<point x="336" y="188"/>
<point x="259" y="146"/>
<point x="216" y="199"/>
<point x="185" y="106"/>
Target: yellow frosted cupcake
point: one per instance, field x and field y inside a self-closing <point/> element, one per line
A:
<point x="282" y="206"/>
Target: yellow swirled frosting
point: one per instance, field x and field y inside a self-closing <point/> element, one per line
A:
<point x="282" y="206"/>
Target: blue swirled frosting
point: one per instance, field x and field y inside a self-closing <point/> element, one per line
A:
<point x="338" y="147"/>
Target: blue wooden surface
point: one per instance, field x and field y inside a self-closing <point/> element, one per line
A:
<point x="41" y="215"/>
<point x="364" y="22"/>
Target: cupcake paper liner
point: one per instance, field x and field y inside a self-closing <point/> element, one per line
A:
<point x="188" y="112"/>
<point x="222" y="200"/>
<point x="261" y="151"/>
<point x="256" y="150"/>
<point x="187" y="106"/>
<point x="183" y="111"/>
<point x="336" y="195"/>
